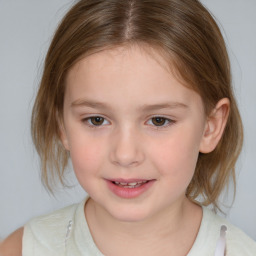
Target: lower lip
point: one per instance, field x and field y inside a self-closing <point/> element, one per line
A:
<point x="129" y="192"/>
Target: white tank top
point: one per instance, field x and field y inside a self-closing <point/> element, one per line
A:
<point x="66" y="232"/>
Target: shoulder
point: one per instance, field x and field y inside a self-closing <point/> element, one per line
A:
<point x="46" y="229"/>
<point x="45" y="235"/>
<point x="53" y="224"/>
<point x="53" y="219"/>
<point x="12" y="245"/>
<point x="237" y="242"/>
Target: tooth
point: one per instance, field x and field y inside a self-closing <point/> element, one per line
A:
<point x="132" y="184"/>
<point x="116" y="182"/>
<point x="123" y="183"/>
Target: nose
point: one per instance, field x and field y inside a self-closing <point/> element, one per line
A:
<point x="126" y="148"/>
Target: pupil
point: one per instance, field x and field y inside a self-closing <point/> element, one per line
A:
<point x="97" y="120"/>
<point x="158" y="121"/>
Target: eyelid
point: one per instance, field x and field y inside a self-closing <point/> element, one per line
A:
<point x="168" y="119"/>
<point x="87" y="118"/>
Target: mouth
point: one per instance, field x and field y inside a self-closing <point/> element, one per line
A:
<point x="134" y="184"/>
<point x="129" y="188"/>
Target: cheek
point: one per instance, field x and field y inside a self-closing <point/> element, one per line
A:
<point x="176" y="156"/>
<point x="86" y="156"/>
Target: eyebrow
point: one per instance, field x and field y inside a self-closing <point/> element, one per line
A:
<point x="170" y="105"/>
<point x="87" y="103"/>
<point x="144" y="108"/>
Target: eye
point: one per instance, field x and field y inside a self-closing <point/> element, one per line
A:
<point x="160" y="121"/>
<point x="96" y="121"/>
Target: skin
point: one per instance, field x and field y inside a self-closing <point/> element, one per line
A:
<point x="12" y="245"/>
<point x="128" y="87"/>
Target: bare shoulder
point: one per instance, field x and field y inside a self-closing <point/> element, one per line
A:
<point x="12" y="245"/>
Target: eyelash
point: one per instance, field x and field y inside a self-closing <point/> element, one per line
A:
<point x="88" y="121"/>
<point x="167" y="122"/>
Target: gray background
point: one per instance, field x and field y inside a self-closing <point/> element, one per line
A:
<point x="26" y="27"/>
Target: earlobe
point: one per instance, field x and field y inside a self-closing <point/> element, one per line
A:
<point x="63" y="136"/>
<point x="65" y="142"/>
<point x="215" y="126"/>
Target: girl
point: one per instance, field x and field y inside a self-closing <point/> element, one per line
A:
<point x="138" y="95"/>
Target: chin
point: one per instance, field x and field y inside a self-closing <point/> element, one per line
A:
<point x="130" y="215"/>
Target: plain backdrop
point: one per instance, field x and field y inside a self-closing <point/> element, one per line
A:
<point x="26" y="28"/>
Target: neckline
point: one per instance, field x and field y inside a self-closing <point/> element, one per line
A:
<point x="204" y="243"/>
<point x="84" y="239"/>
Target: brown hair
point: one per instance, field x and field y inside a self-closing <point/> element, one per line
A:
<point x="181" y="29"/>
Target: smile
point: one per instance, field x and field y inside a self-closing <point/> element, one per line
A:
<point x="129" y="188"/>
<point x="130" y="184"/>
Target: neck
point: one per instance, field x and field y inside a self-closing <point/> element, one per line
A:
<point x="164" y="231"/>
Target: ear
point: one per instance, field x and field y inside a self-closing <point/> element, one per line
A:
<point x="63" y="135"/>
<point x="215" y="126"/>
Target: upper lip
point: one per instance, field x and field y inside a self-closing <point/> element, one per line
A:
<point x="121" y="180"/>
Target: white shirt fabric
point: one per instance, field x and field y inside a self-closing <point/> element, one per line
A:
<point x="66" y="233"/>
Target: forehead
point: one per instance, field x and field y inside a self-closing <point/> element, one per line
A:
<point x="122" y="55"/>
<point x="128" y="72"/>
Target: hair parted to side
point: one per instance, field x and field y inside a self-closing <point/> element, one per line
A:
<point x="187" y="36"/>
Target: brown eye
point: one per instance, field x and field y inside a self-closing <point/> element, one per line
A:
<point x="159" y="121"/>
<point x="96" y="120"/>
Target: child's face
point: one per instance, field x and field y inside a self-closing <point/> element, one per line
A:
<point x="127" y="119"/>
